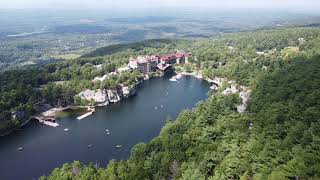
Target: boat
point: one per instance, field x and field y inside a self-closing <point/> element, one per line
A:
<point x="118" y="146"/>
<point x="161" y="106"/>
<point x="20" y="148"/>
<point x="108" y="133"/>
<point x="178" y="76"/>
<point x="155" y="107"/>
<point x="66" y="129"/>
<point x="90" y="146"/>
<point x="173" y="79"/>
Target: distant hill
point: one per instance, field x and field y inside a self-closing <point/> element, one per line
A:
<point x="137" y="46"/>
<point x="80" y="29"/>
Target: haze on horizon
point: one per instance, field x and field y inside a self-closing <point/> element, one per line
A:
<point x="144" y="4"/>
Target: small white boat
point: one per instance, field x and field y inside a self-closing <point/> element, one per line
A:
<point x="173" y="78"/>
<point x="90" y="146"/>
<point x="20" y="148"/>
<point x="155" y="107"/>
<point x="107" y="130"/>
<point x="108" y="133"/>
<point x="161" y="106"/>
<point x="118" y="146"/>
<point x="66" y="129"/>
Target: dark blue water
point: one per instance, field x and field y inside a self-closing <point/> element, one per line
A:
<point x="131" y="121"/>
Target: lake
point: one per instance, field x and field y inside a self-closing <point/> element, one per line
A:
<point x="136" y="119"/>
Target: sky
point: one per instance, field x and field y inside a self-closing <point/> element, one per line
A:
<point x="109" y="4"/>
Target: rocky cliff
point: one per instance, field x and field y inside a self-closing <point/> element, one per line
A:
<point x="104" y="97"/>
<point x="99" y="96"/>
<point x="114" y="96"/>
<point x="128" y="91"/>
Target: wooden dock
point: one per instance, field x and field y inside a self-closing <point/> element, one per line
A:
<point x="90" y="109"/>
<point x="48" y="123"/>
<point x="84" y="115"/>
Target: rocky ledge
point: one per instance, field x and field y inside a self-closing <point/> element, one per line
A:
<point x="102" y="97"/>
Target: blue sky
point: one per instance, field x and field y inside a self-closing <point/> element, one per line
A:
<point x="76" y="4"/>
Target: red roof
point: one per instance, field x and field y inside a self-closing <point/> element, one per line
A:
<point x="166" y="57"/>
<point x="174" y="55"/>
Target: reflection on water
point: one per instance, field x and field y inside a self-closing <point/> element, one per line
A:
<point x="71" y="112"/>
<point x="131" y="121"/>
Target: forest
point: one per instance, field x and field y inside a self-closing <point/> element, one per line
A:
<point x="277" y="137"/>
<point x="30" y="38"/>
<point x="58" y="83"/>
<point x="215" y="142"/>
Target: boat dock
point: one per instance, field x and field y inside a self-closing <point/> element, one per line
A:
<point x="91" y="110"/>
<point x="49" y="123"/>
<point x="84" y="115"/>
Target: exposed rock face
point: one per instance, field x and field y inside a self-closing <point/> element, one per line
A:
<point x="146" y="77"/>
<point x="245" y="96"/>
<point x="96" y="79"/>
<point x="218" y="81"/>
<point x="232" y="89"/>
<point x="244" y="93"/>
<point x="104" y="77"/>
<point x="214" y="87"/>
<point x="104" y="97"/>
<point x="98" y="96"/>
<point x="128" y="91"/>
<point x="241" y="108"/>
<point x="227" y="91"/>
<point x="113" y="96"/>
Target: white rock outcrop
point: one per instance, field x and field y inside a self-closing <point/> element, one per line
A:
<point x="96" y="79"/>
<point x="241" y="108"/>
<point x="218" y="81"/>
<point x="214" y="87"/>
<point x="128" y="91"/>
<point x="113" y="96"/>
<point x="104" y="77"/>
<point x="227" y="91"/>
<point x="244" y="96"/>
<point x="98" y="96"/>
<point x="230" y="90"/>
<point x="146" y="77"/>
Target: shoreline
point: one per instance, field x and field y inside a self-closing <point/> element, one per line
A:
<point x="50" y="115"/>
